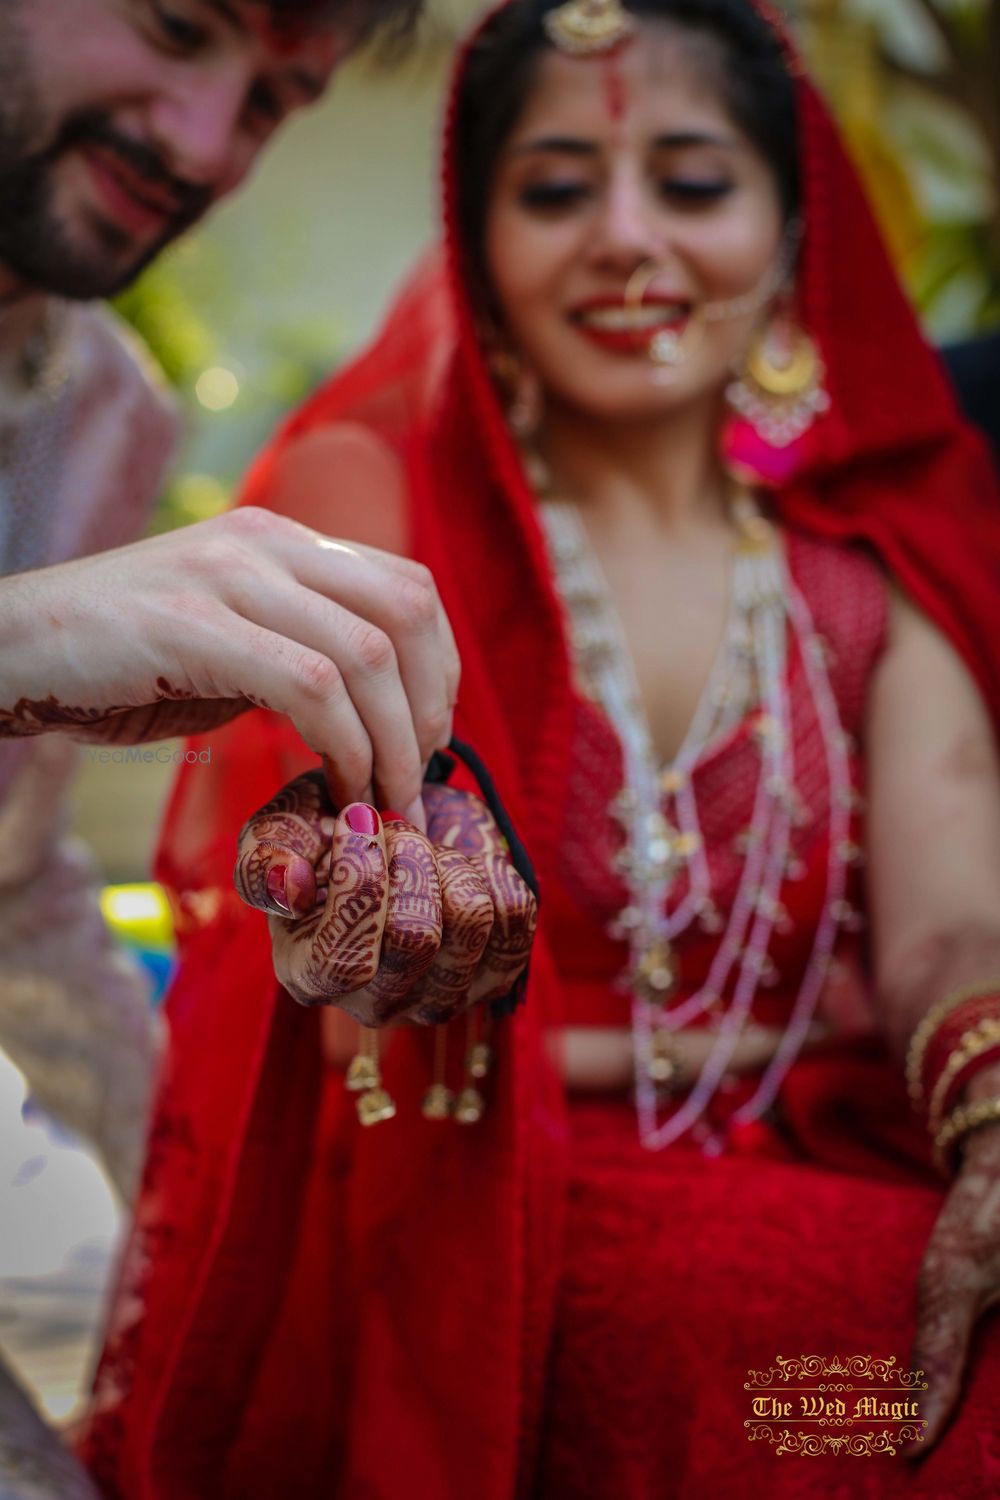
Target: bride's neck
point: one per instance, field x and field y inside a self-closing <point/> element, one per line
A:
<point x="669" y="466"/>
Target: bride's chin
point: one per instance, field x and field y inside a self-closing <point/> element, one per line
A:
<point x="639" y="400"/>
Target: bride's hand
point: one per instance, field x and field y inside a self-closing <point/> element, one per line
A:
<point x="960" y="1274"/>
<point x="370" y="914"/>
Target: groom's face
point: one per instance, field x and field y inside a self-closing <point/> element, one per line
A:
<point x="123" y="121"/>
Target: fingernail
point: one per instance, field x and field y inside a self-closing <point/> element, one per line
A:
<point x="392" y="817"/>
<point x="276" y="877"/>
<point x="362" y="819"/>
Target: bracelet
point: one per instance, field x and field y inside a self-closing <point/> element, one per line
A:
<point x="980" y="1045"/>
<point x="929" y="1024"/>
<point x="961" y="1121"/>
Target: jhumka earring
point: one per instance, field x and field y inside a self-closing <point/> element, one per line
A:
<point x="519" y="389"/>
<point x="779" y="390"/>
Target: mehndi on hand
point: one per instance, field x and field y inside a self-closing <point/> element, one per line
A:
<point x="369" y="914"/>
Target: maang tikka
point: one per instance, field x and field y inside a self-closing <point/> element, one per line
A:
<point x="583" y="27"/>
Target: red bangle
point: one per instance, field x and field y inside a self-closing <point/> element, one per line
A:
<point x="975" y="1052"/>
<point x="949" y="1033"/>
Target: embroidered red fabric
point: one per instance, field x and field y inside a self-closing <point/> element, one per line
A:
<point x="307" y="1308"/>
<point x="846" y="595"/>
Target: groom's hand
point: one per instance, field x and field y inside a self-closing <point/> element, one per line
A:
<point x="181" y="632"/>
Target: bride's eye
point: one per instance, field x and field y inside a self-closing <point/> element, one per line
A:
<point x="694" y="190"/>
<point x="552" y="195"/>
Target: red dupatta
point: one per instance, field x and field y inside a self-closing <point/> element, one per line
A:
<point x="429" y="1255"/>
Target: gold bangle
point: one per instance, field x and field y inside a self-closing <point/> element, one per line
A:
<point x="978" y="1039"/>
<point x="962" y="1120"/>
<point x="927" y="1027"/>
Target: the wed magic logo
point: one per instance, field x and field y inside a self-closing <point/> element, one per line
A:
<point x="857" y="1406"/>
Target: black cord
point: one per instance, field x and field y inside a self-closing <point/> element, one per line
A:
<point x="439" y="772"/>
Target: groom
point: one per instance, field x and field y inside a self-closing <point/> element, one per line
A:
<point x="122" y="122"/>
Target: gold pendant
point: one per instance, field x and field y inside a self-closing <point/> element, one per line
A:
<point x="469" y="1106"/>
<point x="362" y="1074"/>
<point x="375" y="1106"/>
<point x="437" y="1102"/>
<point x="479" y="1060"/>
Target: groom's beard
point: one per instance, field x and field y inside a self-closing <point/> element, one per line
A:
<point x="94" y="257"/>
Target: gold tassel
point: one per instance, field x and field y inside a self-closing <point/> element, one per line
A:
<point x="364" y="1078"/>
<point x="438" y="1100"/>
<point x="470" y="1104"/>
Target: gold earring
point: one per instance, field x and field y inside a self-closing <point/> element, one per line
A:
<point x="780" y="391"/>
<point x="519" y="389"/>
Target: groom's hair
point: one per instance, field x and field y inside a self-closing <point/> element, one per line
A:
<point x="390" y="22"/>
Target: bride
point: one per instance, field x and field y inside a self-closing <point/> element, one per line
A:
<point x="721" y="561"/>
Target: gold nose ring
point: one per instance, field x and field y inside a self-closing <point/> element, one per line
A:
<point x="666" y="348"/>
<point x="639" y="283"/>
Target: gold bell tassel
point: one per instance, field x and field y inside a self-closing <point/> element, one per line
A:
<point x="438" y="1100"/>
<point x="470" y="1104"/>
<point x="364" y="1078"/>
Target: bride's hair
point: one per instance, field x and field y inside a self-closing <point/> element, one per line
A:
<point x="742" y="51"/>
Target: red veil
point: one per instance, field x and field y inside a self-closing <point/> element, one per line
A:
<point x="302" y="1298"/>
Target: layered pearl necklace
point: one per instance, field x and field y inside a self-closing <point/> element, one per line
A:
<point x="658" y="812"/>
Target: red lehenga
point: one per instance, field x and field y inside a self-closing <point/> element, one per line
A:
<point x="536" y="1305"/>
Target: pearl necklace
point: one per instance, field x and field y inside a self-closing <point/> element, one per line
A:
<point x="657" y="810"/>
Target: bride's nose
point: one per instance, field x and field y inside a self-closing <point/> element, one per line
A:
<point x="630" y="226"/>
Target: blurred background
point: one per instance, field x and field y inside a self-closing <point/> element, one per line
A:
<point x="251" y="312"/>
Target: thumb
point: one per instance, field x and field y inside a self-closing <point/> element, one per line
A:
<point x="940" y="1349"/>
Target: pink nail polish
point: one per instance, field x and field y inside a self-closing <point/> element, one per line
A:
<point x="362" y="819"/>
<point x="276" y="877"/>
<point x="392" y="817"/>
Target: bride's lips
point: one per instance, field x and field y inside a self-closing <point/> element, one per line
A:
<point x="125" y="197"/>
<point x="610" y="324"/>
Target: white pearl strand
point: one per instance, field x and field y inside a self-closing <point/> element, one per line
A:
<point x="750" y="667"/>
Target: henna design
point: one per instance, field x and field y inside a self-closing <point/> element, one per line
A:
<point x="165" y="689"/>
<point x="467" y="920"/>
<point x="461" y="821"/>
<point x="118" y="725"/>
<point x="509" y="946"/>
<point x="291" y="824"/>
<point x="31" y="716"/>
<point x="959" y="1279"/>
<point x="413" y="924"/>
<point x="335" y="953"/>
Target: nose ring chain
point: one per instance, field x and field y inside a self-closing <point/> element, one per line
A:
<point x="667" y="348"/>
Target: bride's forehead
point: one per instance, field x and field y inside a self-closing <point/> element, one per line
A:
<point x="661" y="74"/>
